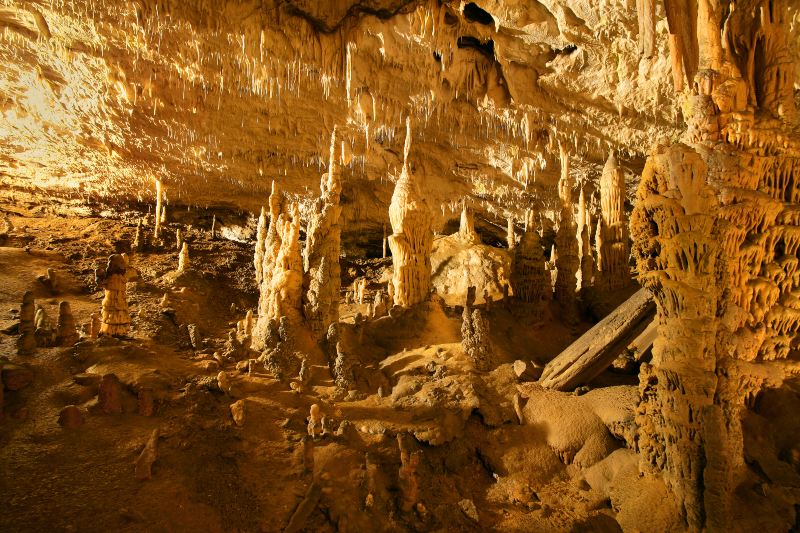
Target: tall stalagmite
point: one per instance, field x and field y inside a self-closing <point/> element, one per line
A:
<point x="466" y="229"/>
<point x="529" y="279"/>
<point x="567" y="261"/>
<point x="612" y="233"/>
<point x="114" y="316"/>
<point x="323" y="280"/>
<point x="267" y="250"/>
<point x="716" y="236"/>
<point x="412" y="238"/>
<point x="261" y="242"/>
<point x="282" y="292"/>
<point x="586" y="272"/>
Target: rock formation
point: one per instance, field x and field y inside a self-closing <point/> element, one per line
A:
<point x="715" y="232"/>
<point x="44" y="333"/>
<point x="261" y="243"/>
<point x="26" y="343"/>
<point x="475" y="338"/>
<point x="94" y="326"/>
<point x="271" y="248"/>
<point x="586" y="272"/>
<point x="412" y="236"/>
<point x="567" y="262"/>
<point x="511" y="235"/>
<point x="148" y="456"/>
<point x="109" y="395"/>
<point x="323" y="279"/>
<point x="612" y="230"/>
<point x="158" y="213"/>
<point x="114" y="313"/>
<point x="314" y="421"/>
<point x="183" y="258"/>
<point x="466" y="229"/>
<point x="529" y="279"/>
<point x="138" y="239"/>
<point x="66" y="334"/>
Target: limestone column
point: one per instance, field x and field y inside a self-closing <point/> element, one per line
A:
<point x="322" y="283"/>
<point x="412" y="236"/>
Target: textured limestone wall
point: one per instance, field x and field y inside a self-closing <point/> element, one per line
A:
<point x="716" y="239"/>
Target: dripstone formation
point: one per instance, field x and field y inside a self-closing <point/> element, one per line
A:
<point x="568" y="300"/>
<point x="323" y="279"/>
<point x="412" y="236"/>
<point x="114" y="317"/>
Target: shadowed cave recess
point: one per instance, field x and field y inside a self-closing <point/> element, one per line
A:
<point x="399" y="265"/>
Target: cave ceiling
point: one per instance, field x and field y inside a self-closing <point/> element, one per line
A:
<point x="218" y="98"/>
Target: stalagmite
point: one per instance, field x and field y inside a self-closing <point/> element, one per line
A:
<point x="282" y="291"/>
<point x="272" y="247"/>
<point x="586" y="272"/>
<point x="412" y="236"/>
<point x="511" y="236"/>
<point x="612" y="230"/>
<point x="183" y="258"/>
<point x="45" y="335"/>
<point x="323" y="237"/>
<point x="66" y="334"/>
<point x="138" y="239"/>
<point x="466" y="230"/>
<point x="114" y="316"/>
<point x="144" y="463"/>
<point x="158" y="211"/>
<point x="26" y="343"/>
<point x="314" y="421"/>
<point x="475" y="338"/>
<point x="179" y="239"/>
<point x="94" y="325"/>
<point x="529" y="279"/>
<point x="568" y="262"/>
<point x="261" y="238"/>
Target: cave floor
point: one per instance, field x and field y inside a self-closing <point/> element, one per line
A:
<point x="212" y="474"/>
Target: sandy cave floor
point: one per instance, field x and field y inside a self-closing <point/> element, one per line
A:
<point x="212" y="475"/>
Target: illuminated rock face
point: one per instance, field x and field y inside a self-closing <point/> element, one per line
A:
<point x="214" y="98"/>
<point x="412" y="238"/>
<point x="715" y="232"/>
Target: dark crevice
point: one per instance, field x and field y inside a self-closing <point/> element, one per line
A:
<point x="473" y="13"/>
<point x="401" y="7"/>
<point x="486" y="48"/>
<point x="567" y="50"/>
